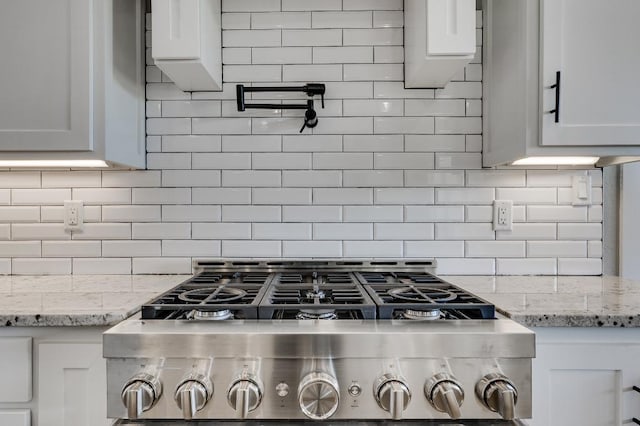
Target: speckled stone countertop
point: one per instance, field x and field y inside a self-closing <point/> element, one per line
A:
<point x="77" y="300"/>
<point x="564" y="301"/>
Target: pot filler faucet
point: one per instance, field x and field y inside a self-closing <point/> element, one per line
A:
<point x="311" y="89"/>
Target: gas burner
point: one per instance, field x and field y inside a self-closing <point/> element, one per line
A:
<point x="419" y="315"/>
<point x="422" y="294"/>
<point x="316" y="293"/>
<point x="221" y="315"/>
<point x="317" y="314"/>
<point x="212" y="295"/>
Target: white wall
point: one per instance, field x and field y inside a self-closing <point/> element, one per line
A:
<point x="388" y="172"/>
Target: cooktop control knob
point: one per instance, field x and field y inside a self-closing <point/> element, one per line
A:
<point x="499" y="394"/>
<point x="140" y="393"/>
<point x="318" y="395"/>
<point x="245" y="394"/>
<point x="192" y="394"/>
<point x="445" y="393"/>
<point x="392" y="393"/>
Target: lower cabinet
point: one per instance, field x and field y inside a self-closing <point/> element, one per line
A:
<point x="585" y="376"/>
<point x="15" y="417"/>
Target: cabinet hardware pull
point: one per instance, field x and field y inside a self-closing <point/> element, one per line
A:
<point x="636" y="388"/>
<point x="636" y="421"/>
<point x="556" y="86"/>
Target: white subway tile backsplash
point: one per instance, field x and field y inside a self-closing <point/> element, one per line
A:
<point x="492" y="178"/>
<point x="495" y="248"/>
<point x="464" y="196"/>
<point x="342" y="196"/>
<point x="221" y="231"/>
<point x="342" y="19"/>
<point x="312" y="72"/>
<point x="161" y="195"/>
<point x="248" y="143"/>
<point x="168" y="161"/>
<point x="260" y="249"/>
<point x="473" y="108"/>
<point x="388" y="54"/>
<point x="250" y="5"/>
<point x="342" y="161"/>
<point x="458" y="125"/>
<point x="74" y="179"/>
<point x="130" y="213"/>
<point x="102" y="195"/>
<point x="165" y="91"/>
<point x="194" y="248"/>
<point x="347" y="125"/>
<point x="280" y="20"/>
<point x="464" y="231"/>
<point x="281" y="231"/>
<point x="191" y="178"/>
<point x="104" y="231"/>
<point x="579" y="231"/>
<point x="20" y="248"/>
<point x="220" y="161"/>
<point x="125" y="179"/>
<point x="406" y="125"/>
<point x="376" y="249"/>
<point x="331" y="249"/>
<point x="395" y="89"/>
<point x="342" y="231"/>
<point x="191" y="108"/>
<point x="403" y="161"/>
<point x="251" y="38"/>
<point x="360" y="107"/>
<point x="311" y="213"/>
<point x="281" y="55"/>
<point x="372" y="4"/>
<point x="275" y="126"/>
<point x="162" y="265"/>
<point x="251" y="178"/>
<point x="467" y="266"/>
<point x="5" y="232"/>
<point x="373" y="214"/>
<point x="594" y="248"/>
<point x="527" y="195"/>
<point x="189" y="143"/>
<point x="168" y="126"/>
<point x="311" y="5"/>
<point x="403" y="231"/>
<point x="71" y="249"/>
<point x="362" y="72"/>
<point x="160" y="231"/>
<point x="526" y="267"/>
<point x="19" y="179"/>
<point x="557" y="249"/>
<point x="304" y="178"/>
<point x="236" y="21"/>
<point x="36" y="196"/>
<point x="374" y="178"/>
<point x="460" y="90"/>
<point x="579" y="266"/>
<point x="130" y="248"/>
<point x="342" y="55"/>
<point x="446" y="160"/>
<point x="41" y="266"/>
<point x="434" y="143"/>
<point x="529" y="231"/>
<point x="473" y="143"/>
<point x="565" y="195"/>
<point x="403" y="196"/>
<point x="19" y="214"/>
<point x="557" y="213"/>
<point x="349" y="90"/>
<point x="195" y="213"/>
<point x="281" y="196"/>
<point x="281" y="161"/>
<point x="373" y="143"/>
<point x="108" y="266"/>
<point x="433" y="249"/>
<point x="384" y="19"/>
<point x="434" y="213"/>
<point x="595" y="214"/>
<point x="434" y="107"/>
<point x="251" y="213"/>
<point x="332" y="37"/>
<point x="312" y="143"/>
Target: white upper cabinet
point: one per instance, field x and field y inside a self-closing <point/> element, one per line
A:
<point x="439" y="40"/>
<point x="560" y="80"/>
<point x="72" y="81"/>
<point x="187" y="42"/>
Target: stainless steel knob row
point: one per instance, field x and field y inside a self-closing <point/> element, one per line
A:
<point x="392" y="394"/>
<point x="140" y="393"/>
<point x="498" y="394"/>
<point x="445" y="393"/>
<point x="245" y="394"/>
<point x="192" y="394"/>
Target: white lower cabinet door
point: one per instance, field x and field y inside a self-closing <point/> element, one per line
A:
<point x="15" y="417"/>
<point x="71" y="385"/>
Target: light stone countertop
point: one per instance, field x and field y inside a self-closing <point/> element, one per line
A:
<point x="535" y="301"/>
<point x="77" y="300"/>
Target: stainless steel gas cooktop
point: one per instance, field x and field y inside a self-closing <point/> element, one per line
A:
<point x="356" y="340"/>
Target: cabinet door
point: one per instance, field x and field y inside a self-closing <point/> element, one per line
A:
<point x="45" y="78"/>
<point x="594" y="46"/>
<point x="15" y="418"/>
<point x="72" y="385"/>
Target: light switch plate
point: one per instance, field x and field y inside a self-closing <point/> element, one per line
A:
<point x="581" y="189"/>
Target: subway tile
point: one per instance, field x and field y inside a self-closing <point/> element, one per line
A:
<point x="19" y="214"/>
<point x="376" y="36"/>
<point x="110" y="266"/>
<point x="349" y="90"/>
<point x="464" y="231"/>
<point x="191" y="178"/>
<point x="526" y="267"/>
<point x="162" y="265"/>
<point x="281" y="161"/>
<point x="281" y="231"/>
<point x="342" y="231"/>
<point x="403" y="231"/>
<point x="492" y="178"/>
<point x="76" y="179"/>
<point x="191" y="108"/>
<point x="281" y="55"/>
<point x="346" y="125"/>
<point x="71" y="249"/>
<point x="311" y="178"/>
<point x="236" y="55"/>
<point x="103" y="195"/>
<point x="312" y="143"/>
<point x="236" y="21"/>
<point x="104" y="231"/>
<point x="228" y="92"/>
<point x="249" y="143"/>
<point x="5" y="231"/>
<point x="529" y="231"/>
<point x="193" y="248"/>
<point x="330" y="249"/>
<point x="373" y="214"/>
<point x="39" y="231"/>
<point x="373" y="178"/>
<point x="465" y="196"/>
<point x="37" y="196"/>
<point x="312" y="72"/>
<point x="280" y="20"/>
<point x="332" y="108"/>
<point x="403" y="161"/>
<point x="161" y="195"/>
<point x="579" y="266"/>
<point x="403" y="195"/>
<point x="342" y="19"/>
<point x="342" y="161"/>
<point x="153" y="74"/>
<point x="557" y="249"/>
<point x="495" y="249"/>
<point x="595" y="214"/>
<point x="281" y="196"/>
<point x="130" y="213"/>
<point x="460" y="90"/>
<point x="549" y="178"/>
<point x="221" y="196"/>
<point x="360" y="107"/>
<point x="160" y="231"/>
<point x="527" y="195"/>
<point x="384" y="19"/>
<point x="250" y="38"/>
<point x="251" y="213"/>
<point x="565" y="195"/>
<point x="311" y="5"/>
<point x="473" y="108"/>
<point x="20" y="248"/>
<point x="221" y="161"/>
<point x="395" y="89"/>
<point x="449" y="266"/>
<point x="373" y="143"/>
<point x="341" y="196"/>
<point x="376" y="72"/>
<point x="192" y="213"/>
<point x="162" y="161"/>
<point x="19" y="179"/>
<point x="473" y="143"/>
<point x="130" y="248"/>
<point x="332" y="37"/>
<point x="457" y="125"/>
<point x="230" y="109"/>
<point x="557" y="213"/>
<point x="119" y="179"/>
<point x="372" y="4"/>
<point x="41" y="266"/>
<point x="250" y="5"/>
<point x="473" y="72"/>
<point x="434" y="143"/>
<point x="311" y="213"/>
<point x="427" y="249"/>
<point x="594" y="248"/>
<point x="579" y="231"/>
<point x="168" y="126"/>
<point x="434" y="107"/>
<point x="241" y="249"/>
<point x="221" y="231"/>
<point x="252" y="73"/>
<point x="251" y="178"/>
<point x="343" y="55"/>
<point x="164" y="92"/>
<point x="406" y="125"/>
<point x="373" y="249"/>
<point x="458" y="160"/>
<point x="191" y="143"/>
<point x="434" y="213"/>
<point x="276" y="126"/>
<point x="388" y="54"/>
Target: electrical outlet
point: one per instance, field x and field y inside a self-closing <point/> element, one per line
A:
<point x="502" y="215"/>
<point x="73" y="215"/>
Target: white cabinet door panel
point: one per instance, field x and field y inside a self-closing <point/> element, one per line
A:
<point x="15" y="418"/>
<point x="15" y="369"/>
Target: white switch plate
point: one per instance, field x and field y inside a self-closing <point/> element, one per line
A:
<point x="502" y="215"/>
<point x="73" y="215"/>
<point x="581" y="189"/>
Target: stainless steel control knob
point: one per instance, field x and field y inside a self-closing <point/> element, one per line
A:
<point x="318" y="395"/>
<point x="499" y="394"/>
<point x="192" y="394"/>
<point x="140" y="393"/>
<point x="393" y="394"/>
<point x="445" y="393"/>
<point x="245" y="395"/>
